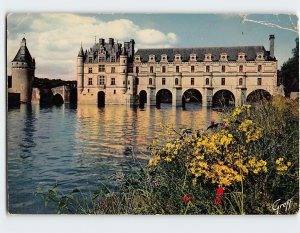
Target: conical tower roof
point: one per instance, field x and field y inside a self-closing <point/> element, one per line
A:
<point x="23" y="55"/>
<point x="80" y="54"/>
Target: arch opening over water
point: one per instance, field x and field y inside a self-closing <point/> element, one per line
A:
<point x="142" y="98"/>
<point x="57" y="100"/>
<point x="258" y="95"/>
<point x="163" y="96"/>
<point x="101" y="99"/>
<point x="191" y="96"/>
<point x="223" y="98"/>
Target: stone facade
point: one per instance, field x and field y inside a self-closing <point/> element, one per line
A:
<point x="129" y="78"/>
<point x="22" y="74"/>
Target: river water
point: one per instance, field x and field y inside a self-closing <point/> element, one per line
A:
<point x="82" y="147"/>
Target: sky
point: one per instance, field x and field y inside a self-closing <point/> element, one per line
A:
<point x="54" y="39"/>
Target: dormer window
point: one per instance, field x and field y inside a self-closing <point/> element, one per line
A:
<point x="101" y="59"/>
<point x="223" y="57"/>
<point x="151" y="58"/>
<point x="241" y="57"/>
<point x="90" y="60"/>
<point x="207" y="57"/>
<point x="178" y="57"/>
<point x="260" y="56"/>
<point x="137" y="58"/>
<point x="113" y="59"/>
<point x="163" y="58"/>
<point x="193" y="57"/>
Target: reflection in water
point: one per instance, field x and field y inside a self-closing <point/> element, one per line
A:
<point x="82" y="147"/>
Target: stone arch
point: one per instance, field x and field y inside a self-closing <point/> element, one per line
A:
<point x="223" y="98"/>
<point x="191" y="96"/>
<point x="142" y="98"/>
<point x="57" y="99"/>
<point x="101" y="99"/>
<point x="163" y="96"/>
<point x="258" y="95"/>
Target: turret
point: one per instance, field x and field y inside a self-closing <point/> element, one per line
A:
<point x="22" y="71"/>
<point x="80" y="74"/>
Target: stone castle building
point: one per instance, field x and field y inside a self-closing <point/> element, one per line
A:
<point x="20" y="83"/>
<point x="108" y="73"/>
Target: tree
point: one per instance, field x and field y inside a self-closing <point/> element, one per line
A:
<point x="289" y="73"/>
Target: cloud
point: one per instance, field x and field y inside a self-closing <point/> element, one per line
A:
<point x="54" y="38"/>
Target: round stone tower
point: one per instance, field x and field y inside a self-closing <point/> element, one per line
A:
<point x="22" y="72"/>
<point x="80" y="73"/>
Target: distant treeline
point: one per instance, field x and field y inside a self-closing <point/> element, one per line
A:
<point x="51" y="83"/>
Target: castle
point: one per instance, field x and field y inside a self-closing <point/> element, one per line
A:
<point x="108" y="73"/>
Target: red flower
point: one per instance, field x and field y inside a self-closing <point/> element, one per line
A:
<point x="218" y="200"/>
<point x="220" y="191"/>
<point x="186" y="199"/>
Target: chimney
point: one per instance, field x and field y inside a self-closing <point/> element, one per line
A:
<point x="272" y="38"/>
<point x="111" y="41"/>
<point x="101" y="41"/>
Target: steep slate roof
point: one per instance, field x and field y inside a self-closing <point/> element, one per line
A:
<point x="23" y="55"/>
<point x="232" y="53"/>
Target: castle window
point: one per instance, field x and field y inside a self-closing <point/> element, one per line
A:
<point x="113" y="59"/>
<point x="240" y="81"/>
<point x="124" y="61"/>
<point x="223" y="69"/>
<point x="101" y="68"/>
<point x="192" y="69"/>
<point x="150" y="81"/>
<point x="223" y="81"/>
<point x="241" y="57"/>
<point x="207" y="81"/>
<point x="137" y="81"/>
<point x="88" y="90"/>
<point x="114" y="91"/>
<point x="90" y="70"/>
<point x="136" y="70"/>
<point x="137" y="58"/>
<point x="113" y="81"/>
<point x="176" y="81"/>
<point x="177" y="69"/>
<point x="9" y="82"/>
<point x="259" y="68"/>
<point x="164" y="69"/>
<point x="113" y="69"/>
<point x="163" y="81"/>
<point x="241" y="68"/>
<point x="90" y="81"/>
<point x="259" y="81"/>
<point x="100" y="80"/>
<point x="90" y="59"/>
<point x="128" y="82"/>
<point x="207" y="69"/>
<point x="151" y="69"/>
<point x="101" y="59"/>
<point x="192" y="81"/>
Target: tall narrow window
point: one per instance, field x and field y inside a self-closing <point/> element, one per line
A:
<point x="241" y="68"/>
<point x="176" y="81"/>
<point x="163" y="81"/>
<point x="150" y="81"/>
<point x="101" y="68"/>
<point x="177" y="69"/>
<point x="90" y="81"/>
<point x="223" y="81"/>
<point x="207" y="69"/>
<point x="207" y="81"/>
<point x="90" y="70"/>
<point x="192" y="69"/>
<point x="164" y="69"/>
<point x="223" y="69"/>
<point x="151" y="69"/>
<point x="259" y="81"/>
<point x="192" y="81"/>
<point x="114" y="91"/>
<point x="9" y="82"/>
<point x="113" y="81"/>
<point x="259" y="68"/>
<point x="100" y="80"/>
<point x="136" y="70"/>
<point x="240" y="82"/>
<point x="113" y="69"/>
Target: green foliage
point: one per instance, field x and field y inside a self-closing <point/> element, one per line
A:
<point x="246" y="164"/>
